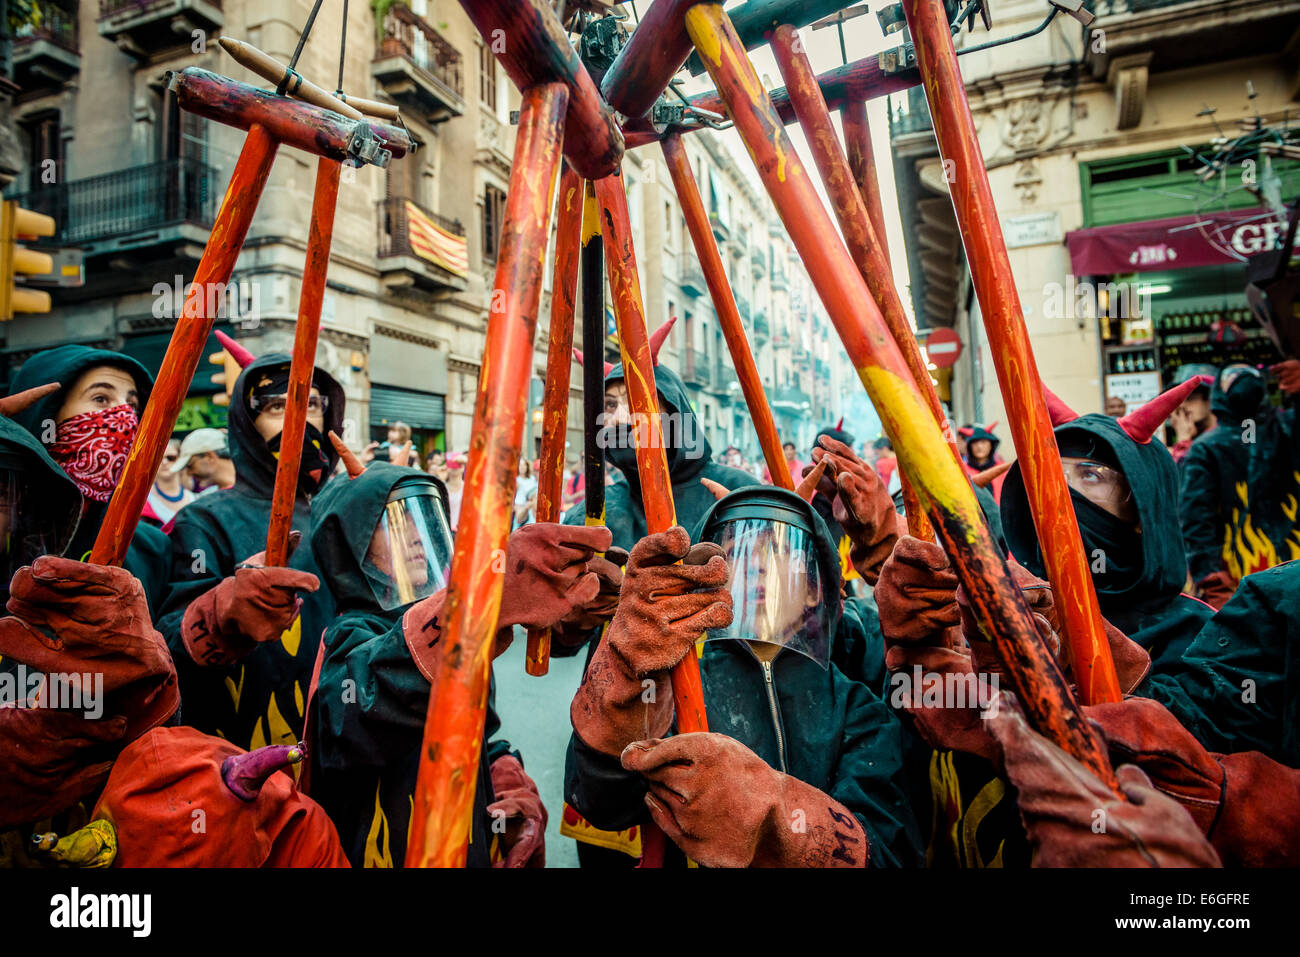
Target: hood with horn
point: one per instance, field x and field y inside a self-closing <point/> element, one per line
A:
<point x="1161" y="570"/>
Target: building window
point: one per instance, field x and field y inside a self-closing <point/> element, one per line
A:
<point x="494" y="211"/>
<point x="487" y="78"/>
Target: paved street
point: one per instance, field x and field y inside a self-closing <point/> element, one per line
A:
<point x="535" y="719"/>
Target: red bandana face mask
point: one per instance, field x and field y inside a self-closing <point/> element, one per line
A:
<point x="92" y="448"/>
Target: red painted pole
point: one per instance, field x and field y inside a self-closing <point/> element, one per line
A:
<point x="453" y="732"/>
<point x="186" y="347"/>
<point x="643" y="399"/>
<point x="290" y="122"/>
<point x="862" y="162"/>
<point x="724" y="304"/>
<point x="559" y="362"/>
<point x="303" y="364"/>
<point x="527" y="38"/>
<point x="945" y="491"/>
<point x="1004" y="323"/>
<point x="864" y="242"/>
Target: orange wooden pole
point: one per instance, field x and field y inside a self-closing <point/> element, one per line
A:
<point x="643" y="399"/>
<point x="559" y="362"/>
<point x="724" y="304"/>
<point x="453" y="732"/>
<point x="188" y="341"/>
<point x="945" y="491"/>
<point x="1022" y="388"/>
<point x="862" y="161"/>
<point x="303" y="364"/>
<point x="864" y="241"/>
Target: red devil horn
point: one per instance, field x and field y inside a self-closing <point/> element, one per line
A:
<point x="1058" y="411"/>
<point x="985" y="479"/>
<point x="245" y="773"/>
<point x="839" y="426"/>
<point x="237" y="352"/>
<point x="1141" y="423"/>
<point x="350" y="461"/>
<point x="991" y="426"/>
<point x="577" y="355"/>
<point x="657" y="339"/>
<point x="11" y="405"/>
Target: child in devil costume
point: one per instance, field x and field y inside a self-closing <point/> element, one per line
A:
<point x="801" y="764"/>
<point x="245" y="636"/>
<point x="1123" y="487"/>
<point x="383" y="546"/>
<point x="87" y="766"/>
<point x="87" y="425"/>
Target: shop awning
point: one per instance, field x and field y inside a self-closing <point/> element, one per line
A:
<point x="1182" y="242"/>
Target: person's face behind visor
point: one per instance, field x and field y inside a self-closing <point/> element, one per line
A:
<point x="1101" y="484"/>
<point x="775" y="587"/>
<point x="410" y="549"/>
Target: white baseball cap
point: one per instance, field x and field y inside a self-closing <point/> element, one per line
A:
<point x="196" y="443"/>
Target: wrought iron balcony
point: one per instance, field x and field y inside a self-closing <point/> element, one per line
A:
<point x="46" y="49"/>
<point x="144" y="28"/>
<point x="130" y="208"/>
<point x="417" y="67"/>
<point x="690" y="276"/>
<point x="761" y="325"/>
<point x="790" y="398"/>
<point x="758" y="260"/>
<point x="699" y="370"/>
<point x="419" y="249"/>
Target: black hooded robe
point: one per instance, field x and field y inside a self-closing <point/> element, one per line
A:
<point x="372" y="700"/>
<point x="259" y="700"/>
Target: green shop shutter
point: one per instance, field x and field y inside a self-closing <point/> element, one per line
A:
<point x="419" y="410"/>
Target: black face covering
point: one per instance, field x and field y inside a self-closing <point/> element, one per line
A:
<point x="1246" y="395"/>
<point x="1113" y="546"/>
<point x="314" y="468"/>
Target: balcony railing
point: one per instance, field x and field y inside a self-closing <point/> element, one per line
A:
<point x="437" y="63"/>
<point x="394" y="226"/>
<point x="165" y="193"/>
<point x="108" y="8"/>
<point x="698" y="368"/>
<point x="50" y="22"/>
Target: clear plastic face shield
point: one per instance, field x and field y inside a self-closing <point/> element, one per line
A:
<point x="776" y="587"/>
<point x="410" y="550"/>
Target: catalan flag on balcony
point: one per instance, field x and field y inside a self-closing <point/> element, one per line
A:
<point x="430" y="241"/>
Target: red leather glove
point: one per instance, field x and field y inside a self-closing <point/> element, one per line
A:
<point x="1288" y="374"/>
<point x="51" y="760"/>
<point x="863" y="507"/>
<point x="600" y="610"/>
<point x="917" y="595"/>
<point x="1246" y="804"/>
<point x="1132" y="661"/>
<point x="1216" y="588"/>
<point x="73" y="617"/>
<point x="547" y="578"/>
<point x="724" y="806"/>
<point x="520" y="806"/>
<point x="254" y="605"/>
<point x="664" y="609"/>
<point x="1074" y="820"/>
